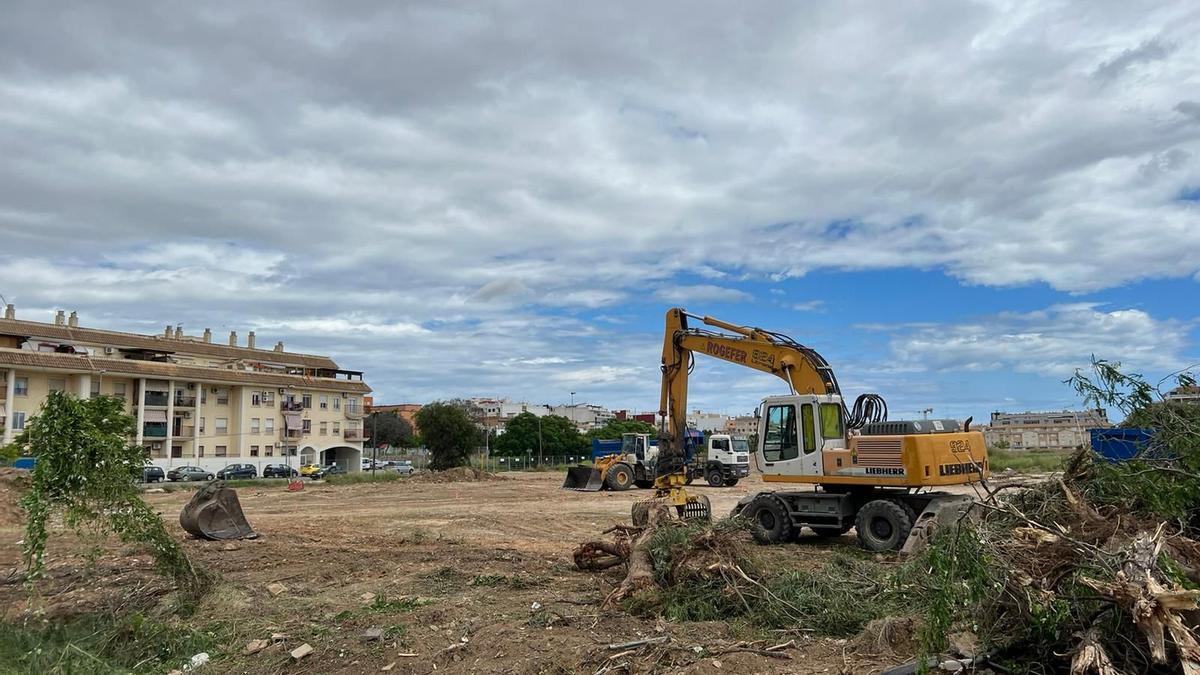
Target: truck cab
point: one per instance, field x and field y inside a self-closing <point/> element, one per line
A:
<point x="727" y="459"/>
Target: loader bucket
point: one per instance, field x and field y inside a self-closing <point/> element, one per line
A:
<point x="584" y="479"/>
<point x="215" y="513"/>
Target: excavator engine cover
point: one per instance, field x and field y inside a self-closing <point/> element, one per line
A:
<point x="215" y="513"/>
<point x="584" y="479"/>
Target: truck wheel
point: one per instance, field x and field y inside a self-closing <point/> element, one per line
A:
<point x="882" y="525"/>
<point x="731" y="482"/>
<point x="620" y="477"/>
<point x="715" y="478"/>
<point x="771" y="522"/>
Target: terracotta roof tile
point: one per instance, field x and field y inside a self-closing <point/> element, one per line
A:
<point x="137" y="341"/>
<point x="77" y="363"/>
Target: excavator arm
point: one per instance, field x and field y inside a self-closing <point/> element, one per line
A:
<point x="802" y="368"/>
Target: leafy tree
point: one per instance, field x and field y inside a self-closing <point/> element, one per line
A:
<point x="449" y="433"/>
<point x="389" y="429"/>
<point x="558" y="436"/>
<point x="614" y="428"/>
<point x="85" y="470"/>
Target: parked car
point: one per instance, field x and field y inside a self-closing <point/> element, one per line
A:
<point x="310" y="470"/>
<point x="404" y="467"/>
<point x="152" y="473"/>
<point x="234" y="471"/>
<point x="188" y="473"/>
<point x="279" y="471"/>
<point x="330" y="470"/>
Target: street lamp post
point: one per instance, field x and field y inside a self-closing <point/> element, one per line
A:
<point x="539" y="441"/>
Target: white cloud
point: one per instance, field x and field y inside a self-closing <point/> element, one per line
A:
<point x="684" y="294"/>
<point x="808" y="306"/>
<point x="1054" y="341"/>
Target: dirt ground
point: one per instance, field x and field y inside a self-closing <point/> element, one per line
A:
<point x="464" y="577"/>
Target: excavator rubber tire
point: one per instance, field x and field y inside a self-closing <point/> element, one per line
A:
<point x="620" y="477"/>
<point x="883" y="525"/>
<point x="714" y="478"/>
<point x="772" y="525"/>
<point x="731" y="482"/>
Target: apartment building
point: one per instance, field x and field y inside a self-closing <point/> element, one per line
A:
<point x="584" y="416"/>
<point x="742" y="425"/>
<point x="195" y="402"/>
<point x="707" y="422"/>
<point x="1059" y="430"/>
<point x="498" y="411"/>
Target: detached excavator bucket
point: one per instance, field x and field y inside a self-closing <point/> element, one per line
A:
<point x="215" y="513"/>
<point x="584" y="479"/>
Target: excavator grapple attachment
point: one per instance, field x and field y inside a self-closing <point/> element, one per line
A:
<point x="215" y="513"/>
<point x="696" y="508"/>
<point x="584" y="479"/>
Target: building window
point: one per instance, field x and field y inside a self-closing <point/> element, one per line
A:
<point x="21" y="386"/>
<point x="324" y="402"/>
<point x="256" y="398"/>
<point x="95" y="391"/>
<point x="267" y="450"/>
<point x="324" y="428"/>
<point x="291" y="450"/>
<point x="201" y="425"/>
<point x="57" y="384"/>
<point x="200" y="452"/>
<point x="177" y="451"/>
<point x="221" y="450"/>
<point x="306" y="401"/>
<point x="119" y="390"/>
<point x="337" y="402"/>
<point x="222" y="426"/>
<point x="306" y="426"/>
<point x="254" y="451"/>
<point x="254" y="421"/>
<point x="203" y="394"/>
<point x="18" y="420"/>
<point x="268" y="398"/>
<point x="337" y="428"/>
<point x="269" y="425"/>
<point x="222" y="396"/>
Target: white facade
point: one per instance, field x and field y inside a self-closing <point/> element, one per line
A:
<point x="584" y="416"/>
<point x="707" y="422"/>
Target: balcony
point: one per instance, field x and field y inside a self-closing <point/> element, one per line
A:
<point x="158" y="398"/>
<point x="353" y="435"/>
<point x="291" y="406"/>
<point x="154" y="431"/>
<point x="185" y="401"/>
<point x="353" y="412"/>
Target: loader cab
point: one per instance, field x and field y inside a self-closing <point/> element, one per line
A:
<point x="639" y="446"/>
<point x="795" y="431"/>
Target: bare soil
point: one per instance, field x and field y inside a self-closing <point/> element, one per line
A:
<point x="466" y="577"/>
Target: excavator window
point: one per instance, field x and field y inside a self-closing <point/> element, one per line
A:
<point x="810" y="432"/>
<point x="780" y="442"/>
<point x="831" y="420"/>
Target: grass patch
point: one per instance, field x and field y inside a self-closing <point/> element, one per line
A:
<point x="364" y="477"/>
<point x="382" y="605"/>
<point x="130" y="643"/>
<point x="1027" y="461"/>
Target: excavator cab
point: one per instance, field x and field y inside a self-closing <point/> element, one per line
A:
<point x="214" y="512"/>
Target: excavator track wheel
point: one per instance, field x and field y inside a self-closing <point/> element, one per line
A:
<point x="620" y="477"/>
<point x="883" y="525"/>
<point x="772" y="524"/>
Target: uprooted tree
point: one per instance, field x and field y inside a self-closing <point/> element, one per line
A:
<point x="1100" y="566"/>
<point x="86" y="471"/>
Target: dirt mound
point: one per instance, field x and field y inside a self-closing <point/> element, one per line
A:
<point x="459" y="474"/>
<point x="889" y="636"/>
<point x="13" y="483"/>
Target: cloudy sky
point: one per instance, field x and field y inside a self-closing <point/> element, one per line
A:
<point x="956" y="202"/>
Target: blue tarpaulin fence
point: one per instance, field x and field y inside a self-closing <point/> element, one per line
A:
<point x="1118" y="445"/>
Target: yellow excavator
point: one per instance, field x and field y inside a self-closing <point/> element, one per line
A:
<point x="836" y="467"/>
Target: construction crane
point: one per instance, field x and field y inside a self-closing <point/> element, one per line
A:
<point x="859" y="469"/>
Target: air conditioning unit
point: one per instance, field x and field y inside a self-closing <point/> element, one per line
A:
<point x="110" y="350"/>
<point x="187" y="415"/>
<point x="281" y="390"/>
<point x="212" y="390"/>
